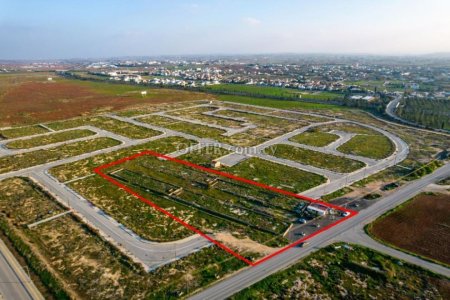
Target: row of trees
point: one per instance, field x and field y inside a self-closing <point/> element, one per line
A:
<point x="434" y="113"/>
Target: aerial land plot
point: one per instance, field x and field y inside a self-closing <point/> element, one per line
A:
<point x="349" y="272"/>
<point x="248" y="219"/>
<point x="315" y="138"/>
<point x="146" y="109"/>
<point x="17" y="132"/>
<point x="211" y="203"/>
<point x="314" y="158"/>
<point x="263" y="91"/>
<point x="420" y="226"/>
<point x="33" y="99"/>
<point x="196" y="113"/>
<point x="49" y="139"/>
<point x="372" y="146"/>
<point x="305" y="117"/>
<point x="115" y="126"/>
<point x="186" y="127"/>
<point x="282" y="104"/>
<point x="349" y="127"/>
<point x="260" y="170"/>
<point x="38" y="157"/>
<point x="84" y="167"/>
<point x="73" y="261"/>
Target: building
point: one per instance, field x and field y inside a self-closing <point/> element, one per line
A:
<point x="319" y="209"/>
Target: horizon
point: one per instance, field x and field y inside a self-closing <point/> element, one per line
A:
<point x="50" y="30"/>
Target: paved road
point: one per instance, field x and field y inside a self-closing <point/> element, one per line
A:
<point x="14" y="282"/>
<point x="345" y="230"/>
<point x="150" y="254"/>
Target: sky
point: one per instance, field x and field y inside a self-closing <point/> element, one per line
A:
<point x="58" y="29"/>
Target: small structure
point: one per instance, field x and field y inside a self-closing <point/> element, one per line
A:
<point x="216" y="164"/>
<point x="49" y="78"/>
<point x="319" y="209"/>
<point x="144" y="93"/>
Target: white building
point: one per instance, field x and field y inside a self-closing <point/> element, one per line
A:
<point x="319" y="209"/>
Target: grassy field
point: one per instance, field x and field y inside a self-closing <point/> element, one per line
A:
<point x="186" y="127"/>
<point x="17" y="132"/>
<point x="260" y="170"/>
<point x="280" y="104"/>
<point x="419" y="226"/>
<point x="29" y="159"/>
<point x="262" y="91"/>
<point x="115" y="126"/>
<point x="337" y="194"/>
<point x="314" y="158"/>
<point x="49" y="139"/>
<point x="338" y="272"/>
<point x="28" y="98"/>
<point x="281" y="176"/>
<point x="74" y="262"/>
<point x="372" y="146"/>
<point x="84" y="167"/>
<point x="315" y="138"/>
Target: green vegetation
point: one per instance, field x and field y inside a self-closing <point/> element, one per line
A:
<point x="49" y="139"/>
<point x="280" y="104"/>
<point x="337" y="194"/>
<point x="339" y="271"/>
<point x="427" y="112"/>
<point x="267" y="172"/>
<point x="372" y="146"/>
<point x="82" y="265"/>
<point x="85" y="167"/>
<point x="314" y="158"/>
<point x="186" y="127"/>
<point x="115" y="126"/>
<point x="29" y="159"/>
<point x="272" y="92"/>
<point x="277" y="175"/>
<point x="423" y="169"/>
<point x="17" y="132"/>
<point x="315" y="138"/>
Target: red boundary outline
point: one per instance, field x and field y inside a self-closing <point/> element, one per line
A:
<point x="99" y="171"/>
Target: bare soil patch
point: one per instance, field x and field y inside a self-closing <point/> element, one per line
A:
<point x="421" y="226"/>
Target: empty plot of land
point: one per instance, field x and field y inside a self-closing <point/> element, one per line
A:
<point x="49" y="139"/>
<point x="29" y="159"/>
<point x="422" y="226"/>
<point x="314" y="158"/>
<point x="74" y="262"/>
<point x="315" y="138"/>
<point x="371" y="146"/>
<point x="115" y="126"/>
<point x="30" y="98"/>
<point x="17" y="132"/>
<point x="186" y="127"/>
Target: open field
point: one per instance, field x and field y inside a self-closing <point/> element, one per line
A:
<point x="260" y="170"/>
<point x="115" y="126"/>
<point x="196" y="113"/>
<point x="29" y="98"/>
<point x="29" y="159"/>
<point x="211" y="203"/>
<point x="16" y="132"/>
<point x="85" y="167"/>
<point x="280" y="104"/>
<point x="314" y="158"/>
<point x="372" y="146"/>
<point x="49" y="139"/>
<point x="419" y="226"/>
<point x="315" y="138"/>
<point x="74" y="262"/>
<point x="186" y="127"/>
<point x="276" y="92"/>
<point x="351" y="272"/>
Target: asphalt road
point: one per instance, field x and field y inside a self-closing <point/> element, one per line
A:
<point x="343" y="231"/>
<point x="14" y="282"/>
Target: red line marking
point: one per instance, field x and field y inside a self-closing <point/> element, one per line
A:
<point x="99" y="171"/>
